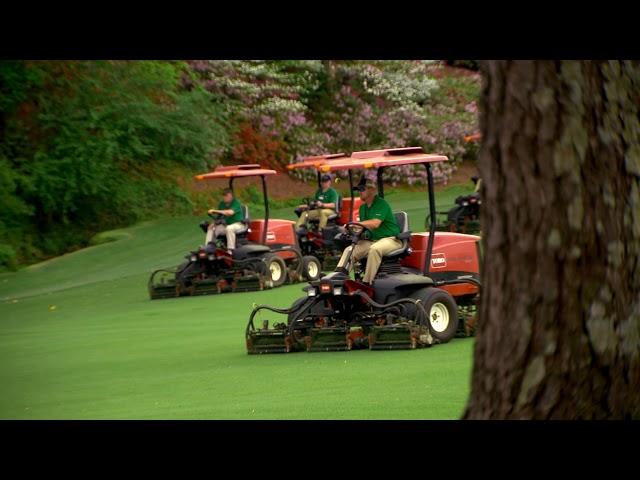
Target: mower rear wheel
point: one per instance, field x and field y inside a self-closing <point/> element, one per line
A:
<point x="442" y="312"/>
<point x="311" y="268"/>
<point x="276" y="268"/>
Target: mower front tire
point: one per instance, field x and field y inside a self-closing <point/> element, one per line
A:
<point x="442" y="312"/>
<point x="276" y="269"/>
<point x="311" y="268"/>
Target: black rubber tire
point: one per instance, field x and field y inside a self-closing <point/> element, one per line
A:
<point x="307" y="262"/>
<point x="268" y="260"/>
<point x="430" y="296"/>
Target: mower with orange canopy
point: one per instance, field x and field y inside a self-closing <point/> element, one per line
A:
<point x="266" y="254"/>
<point x="423" y="292"/>
<point x="321" y="243"/>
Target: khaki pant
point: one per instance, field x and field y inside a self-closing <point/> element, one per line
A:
<point x="321" y="213"/>
<point x="229" y="230"/>
<point x="374" y="251"/>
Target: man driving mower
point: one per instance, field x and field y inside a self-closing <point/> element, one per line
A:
<point x="377" y="217"/>
<point x="325" y="201"/>
<point x="230" y="208"/>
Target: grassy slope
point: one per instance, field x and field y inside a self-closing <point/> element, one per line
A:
<point x="80" y="339"/>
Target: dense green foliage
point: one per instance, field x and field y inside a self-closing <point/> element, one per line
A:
<point x="83" y="148"/>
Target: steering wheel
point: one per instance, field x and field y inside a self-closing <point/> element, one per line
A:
<point x="217" y="217"/>
<point x="311" y="203"/>
<point x="356" y="230"/>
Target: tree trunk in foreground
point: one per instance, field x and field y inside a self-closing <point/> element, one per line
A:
<point x="559" y="325"/>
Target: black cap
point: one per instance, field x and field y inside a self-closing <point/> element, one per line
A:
<point x="325" y="178"/>
<point x="364" y="184"/>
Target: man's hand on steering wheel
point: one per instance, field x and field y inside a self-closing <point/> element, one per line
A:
<point x="216" y="215"/>
<point x="357" y="231"/>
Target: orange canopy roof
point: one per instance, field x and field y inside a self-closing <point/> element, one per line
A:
<point x="473" y="138"/>
<point x="382" y="158"/>
<point x="232" y="171"/>
<point x="314" y="161"/>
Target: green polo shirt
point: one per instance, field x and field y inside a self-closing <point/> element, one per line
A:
<point x="330" y="196"/>
<point x="380" y="210"/>
<point x="237" y="211"/>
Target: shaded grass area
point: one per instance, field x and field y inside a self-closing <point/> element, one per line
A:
<point x="80" y="339"/>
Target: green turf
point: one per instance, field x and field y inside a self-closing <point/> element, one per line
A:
<point x="80" y="339"/>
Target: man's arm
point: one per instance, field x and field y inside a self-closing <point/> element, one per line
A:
<point x="371" y="224"/>
<point x="226" y="213"/>
<point x="332" y="204"/>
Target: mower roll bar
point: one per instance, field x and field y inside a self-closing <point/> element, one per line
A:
<point x="266" y="205"/>
<point x="432" y="209"/>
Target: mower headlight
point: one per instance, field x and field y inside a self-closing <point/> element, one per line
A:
<point x="312" y="292"/>
<point x="193" y="258"/>
<point x="211" y="257"/>
<point x="337" y="290"/>
<point x="464" y="204"/>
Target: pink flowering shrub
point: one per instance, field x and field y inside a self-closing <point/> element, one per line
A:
<point x="315" y="107"/>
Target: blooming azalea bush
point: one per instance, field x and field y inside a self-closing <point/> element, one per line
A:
<point x="283" y="111"/>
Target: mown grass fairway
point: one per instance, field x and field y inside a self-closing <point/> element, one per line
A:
<point x="79" y="338"/>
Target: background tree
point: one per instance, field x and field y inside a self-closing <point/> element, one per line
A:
<point x="559" y="325"/>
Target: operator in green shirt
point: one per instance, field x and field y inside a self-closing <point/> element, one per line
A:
<point x="327" y="201"/>
<point x="232" y="210"/>
<point x="375" y="215"/>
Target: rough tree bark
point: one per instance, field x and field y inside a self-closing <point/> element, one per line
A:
<point x="559" y="324"/>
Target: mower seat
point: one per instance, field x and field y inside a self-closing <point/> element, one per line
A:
<point x="334" y="216"/>
<point x="245" y="221"/>
<point x="404" y="236"/>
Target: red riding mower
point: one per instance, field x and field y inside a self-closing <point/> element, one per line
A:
<point x="266" y="254"/>
<point x="424" y="292"/>
<point x="321" y="243"/>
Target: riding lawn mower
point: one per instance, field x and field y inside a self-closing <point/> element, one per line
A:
<point x="321" y="243"/>
<point x="465" y="216"/>
<point x="266" y="255"/>
<point x="424" y="293"/>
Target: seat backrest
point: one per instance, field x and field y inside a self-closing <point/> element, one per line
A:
<point x="339" y="204"/>
<point x="245" y="214"/>
<point x="402" y="219"/>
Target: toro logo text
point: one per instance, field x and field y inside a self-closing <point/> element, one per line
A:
<point x="438" y="260"/>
